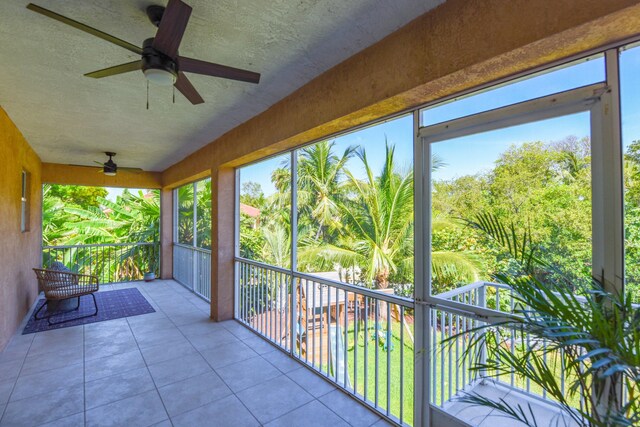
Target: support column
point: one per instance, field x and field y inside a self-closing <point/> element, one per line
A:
<point x="223" y="184"/>
<point x="166" y="233"/>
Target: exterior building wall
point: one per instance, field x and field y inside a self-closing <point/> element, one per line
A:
<point x="54" y="173"/>
<point x="19" y="251"/>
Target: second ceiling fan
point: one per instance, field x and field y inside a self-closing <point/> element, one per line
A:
<point x="159" y="60"/>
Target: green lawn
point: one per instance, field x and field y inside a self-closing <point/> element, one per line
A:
<point x="449" y="374"/>
<point x="395" y="397"/>
<point x="389" y="364"/>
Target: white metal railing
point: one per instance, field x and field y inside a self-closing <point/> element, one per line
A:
<point x="111" y="262"/>
<point x="360" y="339"/>
<point x="192" y="269"/>
<point x="452" y="374"/>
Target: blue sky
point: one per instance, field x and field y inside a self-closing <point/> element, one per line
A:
<point x="630" y="95"/>
<point x="478" y="153"/>
<point x="475" y="154"/>
<point x="398" y="132"/>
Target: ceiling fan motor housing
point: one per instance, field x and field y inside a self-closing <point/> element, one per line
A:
<point x="110" y="168"/>
<point x="156" y="66"/>
<point x="154" y="13"/>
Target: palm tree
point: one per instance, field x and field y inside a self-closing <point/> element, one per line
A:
<point x="203" y="218"/>
<point x="321" y="185"/>
<point x="450" y="268"/>
<point x="185" y="214"/>
<point x="377" y="223"/>
<point x="277" y="247"/>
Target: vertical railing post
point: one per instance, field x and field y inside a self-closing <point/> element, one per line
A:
<point x="294" y="245"/>
<point x="236" y="247"/>
<point x="158" y="259"/>
<point x="195" y="237"/>
<point x="482" y="302"/>
<point x="176" y="219"/>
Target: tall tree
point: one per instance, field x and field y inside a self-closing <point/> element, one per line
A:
<point x="78" y="195"/>
<point x="321" y="186"/>
<point x="378" y="223"/>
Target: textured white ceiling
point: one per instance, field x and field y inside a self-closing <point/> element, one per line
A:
<point x="69" y="118"/>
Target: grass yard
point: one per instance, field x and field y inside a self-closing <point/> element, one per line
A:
<point x="396" y="396"/>
<point x="397" y="365"/>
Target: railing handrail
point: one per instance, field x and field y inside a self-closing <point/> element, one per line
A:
<point x="488" y="315"/>
<point x="394" y="299"/>
<point x="470" y="287"/>
<point x="195" y="248"/>
<point x="479" y="284"/>
<point x="390" y="298"/>
<point x="460" y="290"/>
<point x="263" y="265"/>
<point x="96" y="245"/>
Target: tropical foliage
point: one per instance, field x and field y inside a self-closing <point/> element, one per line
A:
<point x="101" y="236"/>
<point x="356" y="218"/>
<point x="185" y="205"/>
<point x="595" y="338"/>
<point x="374" y="225"/>
<point x="93" y="219"/>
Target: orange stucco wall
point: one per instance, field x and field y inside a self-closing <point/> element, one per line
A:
<point x="19" y="252"/>
<point x="458" y="46"/>
<point x="55" y="173"/>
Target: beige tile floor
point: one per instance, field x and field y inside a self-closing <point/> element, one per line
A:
<point x="172" y="367"/>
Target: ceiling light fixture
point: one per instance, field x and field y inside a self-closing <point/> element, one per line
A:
<point x="157" y="67"/>
<point x="160" y="77"/>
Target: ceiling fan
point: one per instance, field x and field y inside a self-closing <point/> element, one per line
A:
<point x="110" y="168"/>
<point x="160" y="61"/>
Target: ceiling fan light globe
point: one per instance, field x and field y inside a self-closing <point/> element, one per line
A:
<point x="160" y="77"/>
<point x="110" y="173"/>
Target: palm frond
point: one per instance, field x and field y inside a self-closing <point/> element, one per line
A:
<point x="519" y="245"/>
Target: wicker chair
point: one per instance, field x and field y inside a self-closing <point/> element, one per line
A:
<point x="62" y="285"/>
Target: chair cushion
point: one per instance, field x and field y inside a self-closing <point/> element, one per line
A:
<point x="58" y="266"/>
<point x="65" y="293"/>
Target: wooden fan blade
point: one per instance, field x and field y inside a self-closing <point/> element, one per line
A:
<point x="98" y="169"/>
<point x="172" y="26"/>
<point x="85" y="166"/>
<point x="186" y="88"/>
<point x="87" y="29"/>
<point x="210" y="69"/>
<point x="117" y="69"/>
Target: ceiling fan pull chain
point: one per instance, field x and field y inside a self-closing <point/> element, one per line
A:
<point x="147" y="94"/>
<point x="174" y="94"/>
